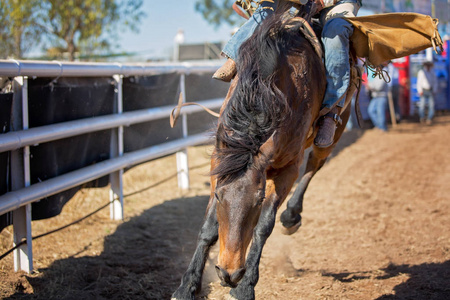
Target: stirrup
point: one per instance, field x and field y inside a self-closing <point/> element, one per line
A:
<point x="324" y="137"/>
<point x="336" y="118"/>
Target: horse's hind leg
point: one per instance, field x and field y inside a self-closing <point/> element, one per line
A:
<point x="192" y="278"/>
<point x="291" y="218"/>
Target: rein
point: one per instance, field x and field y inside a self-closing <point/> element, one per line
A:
<point x="175" y="113"/>
<point x="308" y="33"/>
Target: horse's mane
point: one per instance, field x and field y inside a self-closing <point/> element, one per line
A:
<point x="257" y="106"/>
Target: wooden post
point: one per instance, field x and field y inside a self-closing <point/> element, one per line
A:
<point x="392" y="109"/>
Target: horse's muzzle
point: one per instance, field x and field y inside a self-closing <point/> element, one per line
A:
<point x="228" y="280"/>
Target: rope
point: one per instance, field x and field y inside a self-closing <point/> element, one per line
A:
<point x="436" y="40"/>
<point x="308" y="33"/>
<point x="53" y="231"/>
<point x="177" y="110"/>
<point x="378" y="71"/>
<point x="90" y="214"/>
<point x="250" y="6"/>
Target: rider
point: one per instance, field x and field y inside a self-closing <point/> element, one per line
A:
<point x="228" y="70"/>
<point x="335" y="38"/>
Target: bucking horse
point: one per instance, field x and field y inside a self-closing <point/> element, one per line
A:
<point x="266" y="123"/>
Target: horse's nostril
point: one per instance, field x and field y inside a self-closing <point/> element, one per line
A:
<point x="223" y="275"/>
<point x="237" y="276"/>
<point x="226" y="279"/>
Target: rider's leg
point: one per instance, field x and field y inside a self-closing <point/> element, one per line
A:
<point x="228" y="70"/>
<point x="335" y="38"/>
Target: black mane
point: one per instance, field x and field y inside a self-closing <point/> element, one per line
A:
<point x="257" y="107"/>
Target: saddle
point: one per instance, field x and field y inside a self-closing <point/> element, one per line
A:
<point x="311" y="33"/>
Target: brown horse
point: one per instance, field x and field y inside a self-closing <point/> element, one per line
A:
<point x="264" y="128"/>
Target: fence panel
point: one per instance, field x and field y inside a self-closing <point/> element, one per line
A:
<point x="89" y="121"/>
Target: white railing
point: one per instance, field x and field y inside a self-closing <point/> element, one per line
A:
<point x="23" y="194"/>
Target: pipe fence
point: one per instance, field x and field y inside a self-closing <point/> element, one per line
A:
<point x="19" y="140"/>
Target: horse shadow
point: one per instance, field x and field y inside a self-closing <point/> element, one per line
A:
<point x="144" y="258"/>
<point x="429" y="281"/>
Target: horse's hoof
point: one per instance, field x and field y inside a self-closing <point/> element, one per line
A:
<point x="292" y="229"/>
<point x="229" y="297"/>
<point x="242" y="292"/>
<point x="175" y="298"/>
<point x="181" y="296"/>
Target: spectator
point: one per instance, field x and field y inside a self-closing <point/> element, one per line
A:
<point x="377" y="107"/>
<point x="394" y="88"/>
<point x="426" y="88"/>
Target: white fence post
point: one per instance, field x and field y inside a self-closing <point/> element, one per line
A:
<point x="182" y="156"/>
<point x="116" y="149"/>
<point x="20" y="174"/>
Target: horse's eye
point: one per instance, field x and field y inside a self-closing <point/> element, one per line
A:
<point x="260" y="201"/>
<point x="217" y="197"/>
<point x="260" y="196"/>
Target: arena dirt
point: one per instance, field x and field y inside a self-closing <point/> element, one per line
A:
<point x="376" y="225"/>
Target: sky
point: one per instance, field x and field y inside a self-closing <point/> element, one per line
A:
<point x="164" y="18"/>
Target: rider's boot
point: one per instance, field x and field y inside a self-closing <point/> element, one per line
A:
<point x="226" y="72"/>
<point x="327" y="128"/>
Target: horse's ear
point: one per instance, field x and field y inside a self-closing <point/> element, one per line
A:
<point x="267" y="150"/>
<point x="219" y="131"/>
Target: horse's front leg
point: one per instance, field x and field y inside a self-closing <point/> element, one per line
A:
<point x="192" y="278"/>
<point x="276" y="191"/>
<point x="246" y="288"/>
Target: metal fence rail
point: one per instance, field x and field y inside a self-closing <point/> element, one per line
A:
<point x="20" y="138"/>
<point x="16" y="199"/>
<point x="14" y="68"/>
<point x="14" y="140"/>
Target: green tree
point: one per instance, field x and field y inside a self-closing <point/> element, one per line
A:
<point x="19" y="29"/>
<point x="73" y="23"/>
<point x="217" y="12"/>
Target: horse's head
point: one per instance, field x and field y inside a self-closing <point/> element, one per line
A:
<point x="239" y="203"/>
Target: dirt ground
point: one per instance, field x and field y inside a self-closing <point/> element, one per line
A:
<point x="376" y="225"/>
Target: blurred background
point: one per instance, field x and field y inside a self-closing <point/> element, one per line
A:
<point x="129" y="31"/>
<point x="107" y="30"/>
